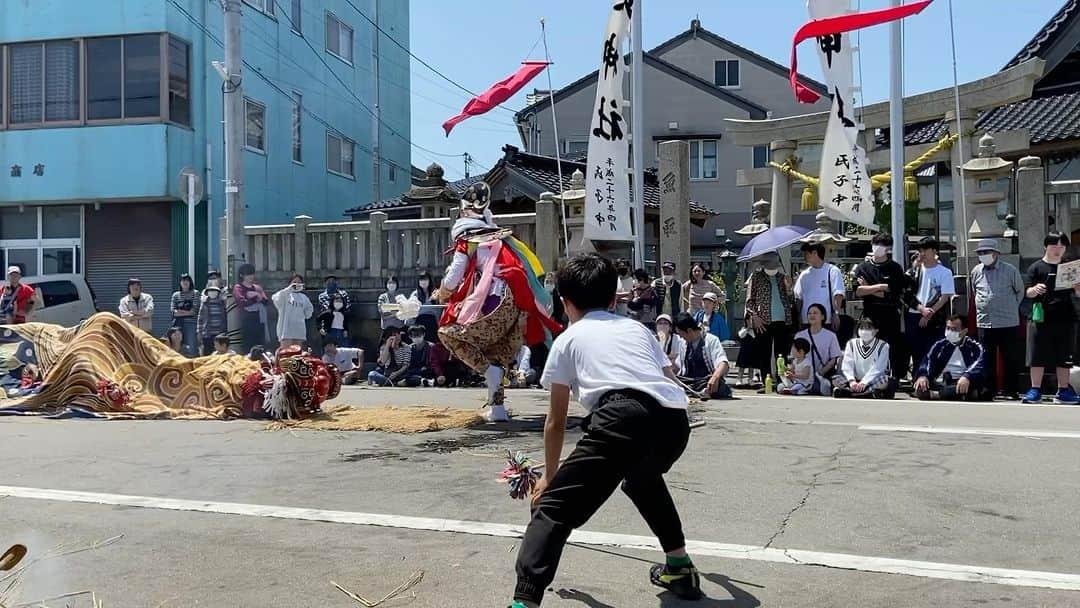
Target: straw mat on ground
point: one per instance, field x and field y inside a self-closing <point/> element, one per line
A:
<point x="387" y="418"/>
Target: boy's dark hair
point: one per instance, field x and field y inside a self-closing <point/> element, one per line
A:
<point x="685" y="322"/>
<point x="928" y="243"/>
<point x="417" y="330"/>
<point x="962" y="319"/>
<point x="297" y="276"/>
<point x="882" y="238"/>
<point x="801" y="344"/>
<point x="817" y="248"/>
<point x="641" y="275"/>
<point x="588" y="281"/>
<point x="1056" y="238"/>
<point x="867" y="323"/>
<point x="330" y="343"/>
<point x="221" y="339"/>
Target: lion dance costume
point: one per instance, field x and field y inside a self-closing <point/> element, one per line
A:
<point x="496" y="299"/>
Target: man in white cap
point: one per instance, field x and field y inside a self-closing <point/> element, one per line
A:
<point x="17" y="299"/>
<point x="998" y="289"/>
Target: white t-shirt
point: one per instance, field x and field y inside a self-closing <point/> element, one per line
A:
<point x="956" y="366"/>
<point x="935" y="281"/>
<point x="626" y="285"/>
<point x="818" y="286"/>
<point x="343" y="359"/>
<point x="604" y="352"/>
<point x="824" y="348"/>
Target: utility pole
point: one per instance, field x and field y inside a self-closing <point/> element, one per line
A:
<point x="376" y="152"/>
<point x="234" y="141"/>
<point x="896" y="139"/>
<point x="468" y="162"/>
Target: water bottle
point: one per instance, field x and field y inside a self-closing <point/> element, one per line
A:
<point x="768" y="384"/>
<point x="781" y="366"/>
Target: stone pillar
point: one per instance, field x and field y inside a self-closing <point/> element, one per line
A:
<point x="547" y="231"/>
<point x="780" y="151"/>
<point x="376" y="240"/>
<point x="956" y="161"/>
<point x="1031" y="207"/>
<point x="675" y="205"/>
<point x="300" y="244"/>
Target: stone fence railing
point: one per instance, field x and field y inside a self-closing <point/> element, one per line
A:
<point x="363" y="253"/>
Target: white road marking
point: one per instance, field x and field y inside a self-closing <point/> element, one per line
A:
<point x="915" y="402"/>
<point x="971" y="431"/>
<point x="934" y="570"/>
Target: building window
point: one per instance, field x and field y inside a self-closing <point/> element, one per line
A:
<point x="142" y="76"/>
<point x="296" y="16"/>
<point x="179" y="81"/>
<point x="339" y="38"/>
<point x="265" y="6"/>
<point x="297" y="123"/>
<point x="703" y="159"/>
<point x="254" y="125"/>
<point x="393" y="173"/>
<point x="727" y="73"/>
<point x="42" y="240"/>
<point x="104" y="79"/>
<point x="339" y="155"/>
<point x="761" y="157"/>
<point x="44" y="82"/>
<point x="575" y="145"/>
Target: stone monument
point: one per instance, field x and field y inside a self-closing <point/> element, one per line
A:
<point x="675" y="205"/>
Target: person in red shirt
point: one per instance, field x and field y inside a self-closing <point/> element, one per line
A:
<point x="17" y="298"/>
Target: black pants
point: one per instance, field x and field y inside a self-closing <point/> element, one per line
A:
<point x="887" y="321"/>
<point x="1005" y="340"/>
<point x="947" y="391"/>
<point x="920" y="339"/>
<point x="773" y="342"/>
<point x="629" y="438"/>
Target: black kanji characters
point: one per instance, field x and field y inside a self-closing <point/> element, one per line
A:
<point x="829" y="43"/>
<point x="611" y="118"/>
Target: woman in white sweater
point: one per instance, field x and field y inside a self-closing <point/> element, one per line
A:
<point x="865" y="368"/>
<point x="294" y="309"/>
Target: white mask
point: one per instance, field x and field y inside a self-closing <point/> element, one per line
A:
<point x="424" y="283"/>
<point x="213" y="295"/>
<point x="668" y="278"/>
<point x="339" y="305"/>
<point x="298" y="286"/>
<point x="549" y="286"/>
<point x="391" y="287"/>
<point x="417" y="339"/>
<point x="986" y="258"/>
<point x="772" y="272"/>
<point x="866" y="335"/>
<point x="663" y="330"/>
<point x="879" y="251"/>
<point x="952" y="336"/>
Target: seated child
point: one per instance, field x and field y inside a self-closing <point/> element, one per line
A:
<point x="865" y="368"/>
<point x="221" y="345"/>
<point x="800" y="374"/>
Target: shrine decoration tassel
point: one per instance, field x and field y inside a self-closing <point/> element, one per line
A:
<point x="836" y="25"/>
<point x="521" y="474"/>
<point x="498" y="93"/>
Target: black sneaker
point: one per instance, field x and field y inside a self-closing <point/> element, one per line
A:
<point x="684" y="582"/>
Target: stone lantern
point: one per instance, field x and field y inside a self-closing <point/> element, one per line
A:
<point x="825" y="232"/>
<point x="573" y="201"/>
<point x="983" y="194"/>
<point x="759" y="219"/>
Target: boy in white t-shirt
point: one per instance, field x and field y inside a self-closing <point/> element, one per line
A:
<point x="637" y="428"/>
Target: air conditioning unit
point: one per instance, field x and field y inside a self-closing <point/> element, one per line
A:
<point x="721" y="232"/>
<point x="673" y="126"/>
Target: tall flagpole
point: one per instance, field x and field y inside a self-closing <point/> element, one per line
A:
<point x="958" y="172"/>
<point x="896" y="139"/>
<point x="555" y="128"/>
<point x="637" y="125"/>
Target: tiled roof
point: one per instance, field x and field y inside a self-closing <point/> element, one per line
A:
<point x="1048" y="119"/>
<point x="1047" y="35"/>
<point x="457" y="187"/>
<point x="542" y="171"/>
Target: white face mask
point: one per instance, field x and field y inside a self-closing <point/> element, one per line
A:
<point x="986" y="258"/>
<point x="391" y="287"/>
<point x="772" y="272"/>
<point x="298" y="286"/>
<point x="424" y="283"/>
<point x="213" y="295"/>
<point x="418" y="339"/>
<point x="663" y="330"/>
<point x="339" y="305"/>
<point x="549" y="286"/>
<point x="668" y="278"/>
<point x="879" y="251"/>
<point x="866" y="335"/>
<point x="952" y="336"/>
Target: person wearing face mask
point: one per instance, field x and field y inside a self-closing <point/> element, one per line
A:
<point x="557" y="310"/>
<point x="294" y="309"/>
<point x="418" y="371"/>
<point x="251" y="300"/>
<point x="332" y="323"/>
<point x="999" y="290"/>
<point x="333" y="288"/>
<point x="212" y="321"/>
<point x="389" y="318"/>
<point x="864" y="370"/>
<point x="880" y="283"/>
<point x="671" y="343"/>
<point x="1053" y="335"/>
<point x="955" y="367"/>
<point x="925" y="318"/>
<point x="769" y="299"/>
<point x="668" y="291"/>
<point x="423" y="289"/>
<point x="643" y="301"/>
<point x="625" y="291"/>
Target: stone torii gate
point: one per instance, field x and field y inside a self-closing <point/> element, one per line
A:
<point x="783" y="134"/>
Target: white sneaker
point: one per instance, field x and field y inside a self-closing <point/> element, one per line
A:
<point x="496" y="413"/>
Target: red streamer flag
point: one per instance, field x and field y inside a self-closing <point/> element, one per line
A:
<point x="498" y="93"/>
<point x="840" y="24"/>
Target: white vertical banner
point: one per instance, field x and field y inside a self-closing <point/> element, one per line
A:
<point x="607" y="183"/>
<point x="845" y="191"/>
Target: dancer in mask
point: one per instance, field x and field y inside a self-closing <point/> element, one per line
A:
<point x="495" y="297"/>
<point x="864" y="370"/>
<point x="955" y="367"/>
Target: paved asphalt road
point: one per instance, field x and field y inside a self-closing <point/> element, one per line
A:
<point x="796" y="502"/>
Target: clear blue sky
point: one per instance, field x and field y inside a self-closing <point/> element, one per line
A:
<point x="479" y="42"/>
